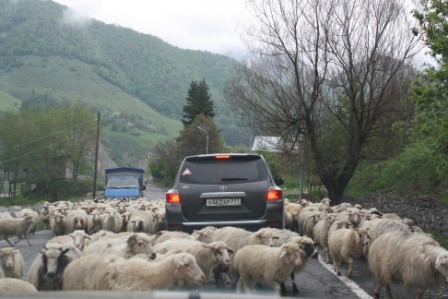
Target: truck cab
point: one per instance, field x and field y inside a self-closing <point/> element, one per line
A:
<point x="124" y="183"/>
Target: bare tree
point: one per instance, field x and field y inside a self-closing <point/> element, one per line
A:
<point x="325" y="72"/>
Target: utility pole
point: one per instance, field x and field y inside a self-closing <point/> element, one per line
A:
<point x="206" y="134"/>
<point x="96" y="155"/>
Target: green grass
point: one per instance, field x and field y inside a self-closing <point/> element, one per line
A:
<point x="73" y="80"/>
<point x="439" y="237"/>
<point x="8" y="102"/>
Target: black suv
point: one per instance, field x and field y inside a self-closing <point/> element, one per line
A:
<point x="224" y="190"/>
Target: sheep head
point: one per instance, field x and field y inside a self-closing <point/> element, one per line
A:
<point x="442" y="263"/>
<point x="7" y="256"/>
<point x="291" y="253"/>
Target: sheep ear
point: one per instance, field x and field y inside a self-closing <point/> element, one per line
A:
<point x="441" y="258"/>
<point x="179" y="263"/>
<point x="283" y="253"/>
<point x="132" y="240"/>
<point x="230" y="250"/>
<point x="43" y="250"/>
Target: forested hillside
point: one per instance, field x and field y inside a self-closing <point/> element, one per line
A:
<point x="138" y="82"/>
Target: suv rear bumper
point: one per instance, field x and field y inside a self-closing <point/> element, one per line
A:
<point x="273" y="217"/>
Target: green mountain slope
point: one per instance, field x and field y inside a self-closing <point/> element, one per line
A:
<point x="131" y="78"/>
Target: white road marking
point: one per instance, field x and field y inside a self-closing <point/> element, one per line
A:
<point x="347" y="281"/>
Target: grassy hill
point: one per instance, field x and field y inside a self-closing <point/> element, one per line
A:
<point x="138" y="82"/>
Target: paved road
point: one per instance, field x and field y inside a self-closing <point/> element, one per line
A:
<point x="316" y="281"/>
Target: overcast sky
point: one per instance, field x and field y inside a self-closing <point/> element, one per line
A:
<point x="209" y="25"/>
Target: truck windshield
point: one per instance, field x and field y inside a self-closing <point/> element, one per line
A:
<point x="122" y="183"/>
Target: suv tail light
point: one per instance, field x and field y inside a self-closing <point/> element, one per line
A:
<point x="172" y="196"/>
<point x="274" y="195"/>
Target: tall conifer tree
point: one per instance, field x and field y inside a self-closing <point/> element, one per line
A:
<point x="198" y="101"/>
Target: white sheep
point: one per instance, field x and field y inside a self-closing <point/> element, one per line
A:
<point x="205" y="235"/>
<point x="15" y="285"/>
<point x="320" y="234"/>
<point x="57" y="223"/>
<point x="125" y="246"/>
<point x="347" y="245"/>
<point x="93" y="222"/>
<point x="415" y="259"/>
<point x="259" y="263"/>
<point x="16" y="226"/>
<point x="380" y="226"/>
<point x="307" y="250"/>
<point x="207" y="256"/>
<point x="75" y="219"/>
<point x="35" y="217"/>
<point x="339" y="224"/>
<point x="46" y="271"/>
<point x="45" y="214"/>
<point x="11" y="262"/>
<point x="110" y="272"/>
<point x="237" y="238"/>
<point x="140" y="221"/>
<point x="77" y="238"/>
<point x="111" y="220"/>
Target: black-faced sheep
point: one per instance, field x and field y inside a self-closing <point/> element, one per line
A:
<point x="15" y="285"/>
<point x="16" y="226"/>
<point x="259" y="263"/>
<point x="46" y="271"/>
<point x="347" y="245"/>
<point x="110" y="272"/>
<point x="415" y="259"/>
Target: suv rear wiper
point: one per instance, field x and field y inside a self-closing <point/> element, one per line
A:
<point x="233" y="179"/>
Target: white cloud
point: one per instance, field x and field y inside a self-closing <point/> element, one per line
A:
<point x="209" y="25"/>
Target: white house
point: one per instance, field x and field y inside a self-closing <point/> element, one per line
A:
<point x="266" y="143"/>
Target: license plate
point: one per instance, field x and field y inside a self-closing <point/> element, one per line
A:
<point x="223" y="202"/>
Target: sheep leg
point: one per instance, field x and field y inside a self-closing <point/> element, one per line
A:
<point x="6" y="238"/>
<point x="282" y="289"/>
<point x="419" y="293"/>
<point x="295" y="290"/>
<point x="389" y="292"/>
<point x="377" y="293"/>
<point x="350" y="268"/>
<point x="336" y="266"/>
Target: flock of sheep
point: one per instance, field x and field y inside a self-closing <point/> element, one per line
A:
<point x="120" y="245"/>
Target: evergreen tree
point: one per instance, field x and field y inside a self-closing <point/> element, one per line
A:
<point x="198" y="101"/>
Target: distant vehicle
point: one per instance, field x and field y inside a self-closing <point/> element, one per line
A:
<point x="224" y="190"/>
<point x="124" y="183"/>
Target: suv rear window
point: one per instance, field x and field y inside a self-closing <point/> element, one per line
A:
<point x="234" y="170"/>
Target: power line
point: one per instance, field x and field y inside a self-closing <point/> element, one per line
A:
<point x="55" y="133"/>
<point x="38" y="149"/>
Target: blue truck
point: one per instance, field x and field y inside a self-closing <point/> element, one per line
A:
<point x="124" y="183"/>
